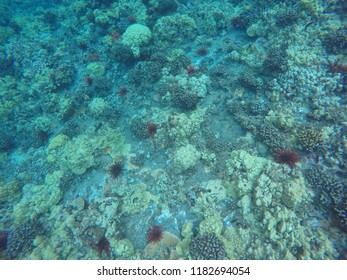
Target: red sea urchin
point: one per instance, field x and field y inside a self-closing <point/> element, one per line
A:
<point x="122" y="92"/>
<point x="103" y="246"/>
<point x="286" y="157"/>
<point x="154" y="234"/>
<point x="3" y="240"/>
<point x="151" y="129"/>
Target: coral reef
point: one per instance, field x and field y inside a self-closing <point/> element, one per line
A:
<point x="267" y="196"/>
<point x="78" y="154"/>
<point x="185" y="100"/>
<point x="98" y="106"/>
<point x="121" y="53"/>
<point x="164" y="249"/>
<point x="271" y="136"/>
<point x="6" y="143"/>
<point x="173" y="129"/>
<point x="164" y="7"/>
<point x="183" y="126"/>
<point x="38" y="199"/>
<point x="3" y="240"/>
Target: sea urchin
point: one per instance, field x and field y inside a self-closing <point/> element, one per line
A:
<point x="3" y="239"/>
<point x="286" y="157"/>
<point x="151" y="129"/>
<point x="116" y="169"/>
<point x="103" y="246"/>
<point x="154" y="234"/>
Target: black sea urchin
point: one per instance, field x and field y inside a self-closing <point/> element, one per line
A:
<point x="116" y="169"/>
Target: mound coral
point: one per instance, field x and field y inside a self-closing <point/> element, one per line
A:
<point x="135" y="36"/>
<point x="185" y="158"/>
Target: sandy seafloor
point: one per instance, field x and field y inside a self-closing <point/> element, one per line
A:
<point x="163" y="129"/>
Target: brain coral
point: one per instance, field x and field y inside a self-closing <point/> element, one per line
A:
<point x="135" y="36"/>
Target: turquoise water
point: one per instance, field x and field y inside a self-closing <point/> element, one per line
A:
<point x="173" y="129"/>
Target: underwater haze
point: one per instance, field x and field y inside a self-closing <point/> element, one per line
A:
<point x="173" y="129"/>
